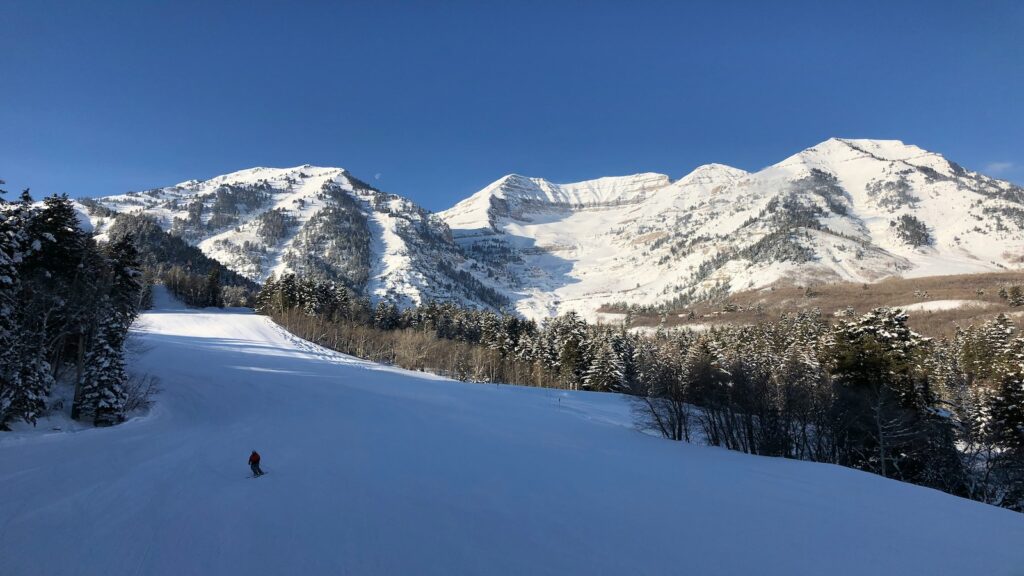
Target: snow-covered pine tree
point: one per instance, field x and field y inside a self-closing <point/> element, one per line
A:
<point x="662" y="395"/>
<point x="807" y="400"/>
<point x="624" y="344"/>
<point x="265" y="297"/>
<point x="65" y="275"/>
<point x="103" y="397"/>
<point x="512" y="329"/>
<point x="1007" y="426"/>
<point x="126" y="279"/>
<point x="286" y="295"/>
<point x="11" y="244"/>
<point x="385" y="316"/>
<point x="1007" y="405"/>
<point x="26" y="375"/>
<point x="605" y="371"/>
<point x="568" y="338"/>
<point x="325" y="298"/>
<point x="30" y="380"/>
<point x="707" y="385"/>
<point x="893" y="422"/>
<point x="307" y="296"/>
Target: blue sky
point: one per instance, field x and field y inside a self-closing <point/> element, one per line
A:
<point x="436" y="100"/>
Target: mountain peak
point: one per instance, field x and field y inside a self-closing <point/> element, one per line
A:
<point x="260" y="173"/>
<point x="837" y="155"/>
<point x="712" y="174"/>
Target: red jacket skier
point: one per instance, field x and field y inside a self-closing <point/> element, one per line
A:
<point x="254" y="463"/>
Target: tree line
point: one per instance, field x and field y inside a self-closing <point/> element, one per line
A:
<point x="865" y="392"/>
<point x="66" y="304"/>
<point x="190" y="275"/>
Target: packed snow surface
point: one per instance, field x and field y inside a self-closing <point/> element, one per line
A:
<point x="937" y="305"/>
<point x="374" y="470"/>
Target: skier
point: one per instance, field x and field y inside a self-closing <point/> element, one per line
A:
<point x="254" y="463"/>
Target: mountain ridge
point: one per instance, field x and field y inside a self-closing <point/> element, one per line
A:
<point x="844" y="209"/>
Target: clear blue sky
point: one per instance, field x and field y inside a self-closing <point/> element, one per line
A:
<point x="438" y="99"/>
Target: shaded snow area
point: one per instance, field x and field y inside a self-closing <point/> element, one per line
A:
<point x="374" y="470"/>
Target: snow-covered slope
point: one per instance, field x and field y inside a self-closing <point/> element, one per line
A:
<point x="854" y="210"/>
<point x="374" y="470"/>
<point x="315" y="221"/>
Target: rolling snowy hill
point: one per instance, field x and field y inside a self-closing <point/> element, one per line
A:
<point x="374" y="470"/>
<point x="852" y="210"/>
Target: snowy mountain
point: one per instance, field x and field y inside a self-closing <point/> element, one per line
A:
<point x="315" y="221"/>
<point x="853" y="210"/>
<point x="376" y="470"/>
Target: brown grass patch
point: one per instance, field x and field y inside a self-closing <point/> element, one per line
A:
<point x="767" y="303"/>
<point x="649" y="237"/>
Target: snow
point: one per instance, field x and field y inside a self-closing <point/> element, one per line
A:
<point x="712" y="175"/>
<point x="392" y="271"/>
<point x="85" y="223"/>
<point x="474" y="212"/>
<point x="646" y="250"/>
<point x="694" y="326"/>
<point x="937" y="305"/>
<point x="375" y="470"/>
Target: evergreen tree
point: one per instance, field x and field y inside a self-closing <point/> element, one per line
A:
<point x="884" y="399"/>
<point x="286" y="296"/>
<point x="31" y="382"/>
<point x="1007" y="405"/>
<point x="126" y="280"/>
<point x="343" y="303"/>
<point x="213" y="294"/>
<point x="605" y="373"/>
<point x="103" y="396"/>
<point x="386" y="316"/>
<point x="11" y="245"/>
<point x="266" y="297"/>
<point x="29" y="304"/>
<point x="662" y="393"/>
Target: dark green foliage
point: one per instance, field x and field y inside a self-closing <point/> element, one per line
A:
<point x="892" y="194"/>
<point x="825" y="186"/>
<point x="65" y="308"/>
<point x="183" y="268"/>
<point x="911" y="230"/>
<point x="884" y="397"/>
<point x="385" y="317"/>
<point x="213" y="288"/>
<point x="781" y="246"/>
<point x="470" y="285"/>
<point x="220" y="209"/>
<point x="274" y="225"/>
<point x="334" y="245"/>
<point x="96" y="209"/>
